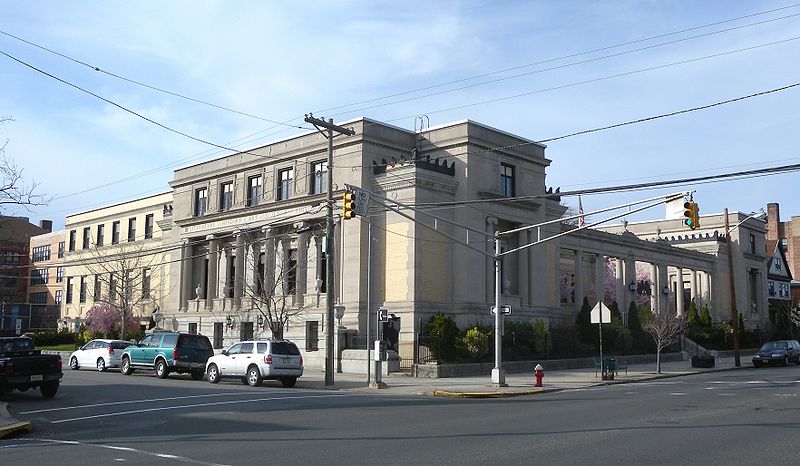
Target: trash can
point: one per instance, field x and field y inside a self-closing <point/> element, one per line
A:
<point x="609" y="367"/>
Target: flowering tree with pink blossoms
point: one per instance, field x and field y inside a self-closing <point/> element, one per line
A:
<point x="104" y="319"/>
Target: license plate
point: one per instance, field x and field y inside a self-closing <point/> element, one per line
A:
<point x="37" y="378"/>
<point x="287" y="360"/>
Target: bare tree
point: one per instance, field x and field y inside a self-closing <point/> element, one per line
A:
<point x="13" y="190"/>
<point x="272" y="294"/>
<point x="665" y="329"/>
<point x="130" y="276"/>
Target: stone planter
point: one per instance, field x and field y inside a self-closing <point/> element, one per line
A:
<point x="702" y="361"/>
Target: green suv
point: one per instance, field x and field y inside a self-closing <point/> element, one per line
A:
<point x="166" y="352"/>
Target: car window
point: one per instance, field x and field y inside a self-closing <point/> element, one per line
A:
<point x="101" y="344"/>
<point x="262" y="348"/>
<point x="247" y="348"/>
<point x="235" y="348"/>
<point x="170" y="340"/>
<point x="155" y="342"/>
<point x="197" y="342"/>
<point x="88" y="346"/>
<point x="285" y="347"/>
<point x="144" y="342"/>
<point x="18" y="344"/>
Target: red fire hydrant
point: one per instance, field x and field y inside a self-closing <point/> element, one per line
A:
<point x="538" y="371"/>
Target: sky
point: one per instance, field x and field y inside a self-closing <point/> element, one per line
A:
<point x="538" y="69"/>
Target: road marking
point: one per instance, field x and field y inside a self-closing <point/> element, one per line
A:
<point x="198" y="405"/>
<point x="660" y="383"/>
<point x="182" y="459"/>
<point x="112" y="403"/>
<point x="726" y="394"/>
<point x="678" y="394"/>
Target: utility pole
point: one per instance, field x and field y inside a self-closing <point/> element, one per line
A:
<point x="329" y="284"/>
<point x="734" y="311"/>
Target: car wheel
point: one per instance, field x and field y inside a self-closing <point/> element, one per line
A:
<point x="757" y="364"/>
<point x="197" y="375"/>
<point x="73" y="363"/>
<point x="101" y="365"/>
<point x="288" y="382"/>
<point x="253" y="376"/>
<point x="49" y="389"/>
<point x="161" y="369"/>
<point x="125" y="367"/>
<point x="213" y="373"/>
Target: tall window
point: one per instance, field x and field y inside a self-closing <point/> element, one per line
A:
<point x="39" y="276"/>
<point x="319" y="177"/>
<point x="59" y="296"/>
<point x="752" y="244"/>
<point x="507" y="180"/>
<point x="226" y="196"/>
<point x="82" y="295"/>
<point x="145" y="283"/>
<point x="112" y="287"/>
<point x="69" y="290"/>
<point x="61" y="250"/>
<point x="115" y="232"/>
<point x="87" y="234"/>
<point x="285" y="183"/>
<point x="39" y="298"/>
<point x="71" y="240"/>
<point x="148" y="226"/>
<point x="97" y="288"/>
<point x="101" y="234"/>
<point x="59" y="274"/>
<point x="254" y="190"/>
<point x="200" y="196"/>
<point x="291" y="271"/>
<point x="131" y="229"/>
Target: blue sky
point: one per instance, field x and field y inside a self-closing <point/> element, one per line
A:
<point x="279" y="60"/>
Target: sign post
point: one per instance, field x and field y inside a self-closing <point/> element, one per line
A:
<point x="600" y="315"/>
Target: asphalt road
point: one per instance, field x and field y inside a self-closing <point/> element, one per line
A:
<point x="738" y="417"/>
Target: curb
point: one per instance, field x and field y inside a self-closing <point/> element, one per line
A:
<point x="509" y="394"/>
<point x="9" y="426"/>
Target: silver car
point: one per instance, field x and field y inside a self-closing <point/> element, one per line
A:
<point x="98" y="354"/>
<point x="256" y="361"/>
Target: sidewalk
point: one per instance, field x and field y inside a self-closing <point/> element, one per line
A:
<point x="518" y="384"/>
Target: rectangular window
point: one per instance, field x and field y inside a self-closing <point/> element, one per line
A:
<point x="145" y="283"/>
<point x="319" y="177"/>
<point x="200" y="196"/>
<point x="39" y="276"/>
<point x="59" y="274"/>
<point x="128" y="286"/>
<point x="97" y="288"/>
<point x="40" y="253"/>
<point x="87" y="235"/>
<point x="226" y="196"/>
<point x="112" y="287"/>
<point x="507" y="180"/>
<point x="291" y="271"/>
<point x="71" y="240"/>
<point x="101" y="234"/>
<point x="131" y="229"/>
<point x="69" y="290"/>
<point x="752" y="244"/>
<point x="148" y="226"/>
<point x="61" y="250"/>
<point x="285" y="183"/>
<point x="254" y="190"/>
<point x="312" y="335"/>
<point x="59" y="295"/>
<point x="115" y="232"/>
<point x="193" y="328"/>
<point x="39" y="298"/>
<point x="82" y="295"/>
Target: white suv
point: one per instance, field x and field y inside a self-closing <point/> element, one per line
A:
<point x="100" y="354"/>
<point x="255" y="361"/>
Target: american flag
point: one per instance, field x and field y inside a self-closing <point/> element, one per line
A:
<point x="581" y="219"/>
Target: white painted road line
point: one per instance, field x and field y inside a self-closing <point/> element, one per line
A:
<point x="151" y="400"/>
<point x="678" y="394"/>
<point x="198" y="405"/>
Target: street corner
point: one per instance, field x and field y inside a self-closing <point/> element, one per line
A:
<point x="488" y="394"/>
<point x="10" y="427"/>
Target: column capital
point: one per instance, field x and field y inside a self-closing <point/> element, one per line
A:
<point x="491" y="220"/>
<point x="210" y="237"/>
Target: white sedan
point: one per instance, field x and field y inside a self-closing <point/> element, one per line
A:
<point x="98" y="354"/>
<point x="255" y="361"/>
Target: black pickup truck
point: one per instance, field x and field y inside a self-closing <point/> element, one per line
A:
<point x="23" y="367"/>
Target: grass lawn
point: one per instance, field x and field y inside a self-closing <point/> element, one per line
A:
<point x="64" y="347"/>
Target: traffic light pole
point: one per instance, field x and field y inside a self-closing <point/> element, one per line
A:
<point x="330" y="357"/>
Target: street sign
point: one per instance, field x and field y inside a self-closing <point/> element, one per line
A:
<point x="600" y="314"/>
<point x="383" y="314"/>
<point x="360" y="202"/>
<point x="506" y="310"/>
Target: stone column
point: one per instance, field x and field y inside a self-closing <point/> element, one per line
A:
<point x="600" y="268"/>
<point x="693" y="287"/>
<point x="211" y="292"/>
<point x="269" y="258"/>
<point x="679" y="291"/>
<point x="523" y="267"/>
<point x="708" y="288"/>
<point x="620" y="291"/>
<point x="630" y="277"/>
<point x="302" y="264"/>
<point x="491" y="227"/>
<point x="186" y="274"/>
<point x="655" y="291"/>
<point x="239" y="273"/>
<point x="578" y="280"/>
<point x="663" y="281"/>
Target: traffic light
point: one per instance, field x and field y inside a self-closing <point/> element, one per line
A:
<point x="347" y="205"/>
<point x="691" y="215"/>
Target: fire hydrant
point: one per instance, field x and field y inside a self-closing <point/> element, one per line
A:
<point x="538" y="371"/>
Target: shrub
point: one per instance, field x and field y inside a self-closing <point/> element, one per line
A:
<point x="476" y="342"/>
<point x="444" y="329"/>
<point x="61" y="337"/>
<point x="705" y="318"/>
<point x="542" y="342"/>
